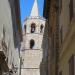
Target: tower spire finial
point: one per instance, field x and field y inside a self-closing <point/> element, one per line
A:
<point x="34" y="11"/>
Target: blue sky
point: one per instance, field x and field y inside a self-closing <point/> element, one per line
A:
<point x="26" y="6"/>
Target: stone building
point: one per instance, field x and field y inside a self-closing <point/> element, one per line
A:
<point x="10" y="36"/>
<point x="34" y="50"/>
<point x="60" y="15"/>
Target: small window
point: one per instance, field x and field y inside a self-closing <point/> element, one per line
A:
<point x="41" y="28"/>
<point x="32" y="43"/>
<point x="32" y="27"/>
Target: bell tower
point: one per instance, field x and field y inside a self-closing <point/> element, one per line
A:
<point x="32" y="40"/>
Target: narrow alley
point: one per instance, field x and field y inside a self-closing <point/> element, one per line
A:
<point x="37" y="37"/>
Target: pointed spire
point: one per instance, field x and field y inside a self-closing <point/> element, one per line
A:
<point x="34" y="11"/>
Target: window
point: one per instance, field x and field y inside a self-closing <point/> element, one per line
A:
<point x="41" y="28"/>
<point x="71" y="65"/>
<point x="71" y="9"/>
<point x="25" y="28"/>
<point x="32" y="27"/>
<point x="32" y="43"/>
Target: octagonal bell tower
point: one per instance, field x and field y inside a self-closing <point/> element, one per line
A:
<point x="32" y="40"/>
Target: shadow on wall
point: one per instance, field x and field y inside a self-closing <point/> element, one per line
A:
<point x="44" y="63"/>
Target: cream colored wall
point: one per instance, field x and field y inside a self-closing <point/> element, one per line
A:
<point x="31" y="63"/>
<point x="30" y="72"/>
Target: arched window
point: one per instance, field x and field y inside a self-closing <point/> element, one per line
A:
<point x="32" y="27"/>
<point x="41" y="28"/>
<point x="32" y="43"/>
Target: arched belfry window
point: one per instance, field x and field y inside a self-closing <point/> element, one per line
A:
<point x="41" y="28"/>
<point x="32" y="27"/>
<point x="32" y="43"/>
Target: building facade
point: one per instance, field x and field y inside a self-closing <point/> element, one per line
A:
<point x="34" y="51"/>
<point x="10" y="36"/>
<point x="60" y="15"/>
<point x="51" y="14"/>
<point x="67" y="41"/>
